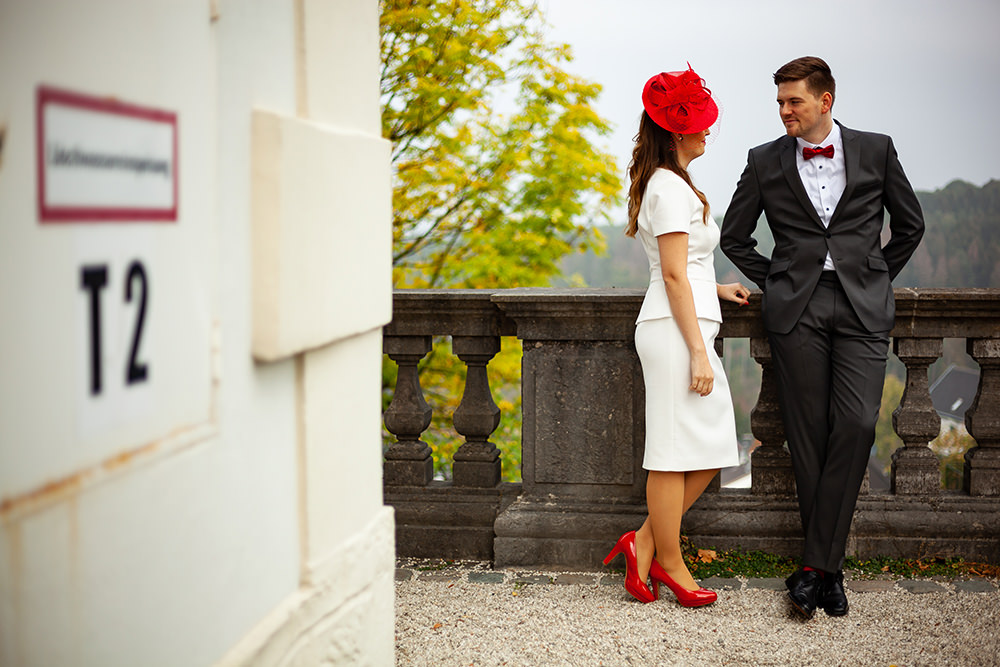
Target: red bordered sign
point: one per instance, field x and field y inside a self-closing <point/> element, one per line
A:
<point x="100" y="159"/>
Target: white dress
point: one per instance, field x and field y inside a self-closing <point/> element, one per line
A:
<point x="684" y="431"/>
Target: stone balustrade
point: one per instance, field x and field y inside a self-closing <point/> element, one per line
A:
<point x="583" y="424"/>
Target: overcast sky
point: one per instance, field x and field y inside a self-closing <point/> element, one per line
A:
<point x="927" y="72"/>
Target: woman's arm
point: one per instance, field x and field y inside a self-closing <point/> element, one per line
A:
<point x="673" y="249"/>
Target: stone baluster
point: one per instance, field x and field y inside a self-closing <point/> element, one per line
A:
<point x="982" y="419"/>
<point x="915" y="468"/>
<point x="408" y="460"/>
<point x="771" y="465"/>
<point x="477" y="462"/>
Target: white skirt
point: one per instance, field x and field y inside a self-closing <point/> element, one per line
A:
<point x="684" y="431"/>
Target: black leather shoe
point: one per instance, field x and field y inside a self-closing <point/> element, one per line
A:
<point x="832" y="597"/>
<point x="803" y="591"/>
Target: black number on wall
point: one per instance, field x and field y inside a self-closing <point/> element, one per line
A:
<point x="93" y="279"/>
<point x="137" y="372"/>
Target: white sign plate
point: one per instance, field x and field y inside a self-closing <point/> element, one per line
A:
<point x="104" y="160"/>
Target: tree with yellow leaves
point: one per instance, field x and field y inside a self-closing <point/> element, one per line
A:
<point x="496" y="174"/>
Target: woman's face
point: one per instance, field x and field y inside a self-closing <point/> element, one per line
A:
<point x="693" y="145"/>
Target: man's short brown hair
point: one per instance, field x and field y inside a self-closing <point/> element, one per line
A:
<point x="815" y="72"/>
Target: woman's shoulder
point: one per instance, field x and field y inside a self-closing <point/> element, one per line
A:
<point x="666" y="182"/>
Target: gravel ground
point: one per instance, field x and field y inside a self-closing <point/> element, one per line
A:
<point x="442" y="618"/>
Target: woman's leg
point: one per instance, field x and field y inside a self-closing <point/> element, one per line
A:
<point x="665" y="500"/>
<point x="695" y="483"/>
<point x="668" y="496"/>
<point x="645" y="547"/>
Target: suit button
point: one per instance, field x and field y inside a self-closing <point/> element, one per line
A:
<point x="819" y="261"/>
<point x="828" y="235"/>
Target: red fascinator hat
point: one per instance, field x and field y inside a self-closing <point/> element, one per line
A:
<point x="680" y="102"/>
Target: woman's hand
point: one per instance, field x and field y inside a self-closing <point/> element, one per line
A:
<point x="733" y="292"/>
<point x="702" y="377"/>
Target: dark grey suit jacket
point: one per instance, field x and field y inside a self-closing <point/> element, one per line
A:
<point x="875" y="183"/>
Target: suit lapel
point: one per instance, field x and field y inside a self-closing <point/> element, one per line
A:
<point x="852" y="164"/>
<point x="794" y="180"/>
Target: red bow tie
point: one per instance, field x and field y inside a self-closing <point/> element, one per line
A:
<point x="810" y="153"/>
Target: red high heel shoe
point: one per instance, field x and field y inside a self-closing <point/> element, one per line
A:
<point x="687" y="598"/>
<point x="635" y="586"/>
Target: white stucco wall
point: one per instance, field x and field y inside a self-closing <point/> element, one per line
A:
<point x="227" y="509"/>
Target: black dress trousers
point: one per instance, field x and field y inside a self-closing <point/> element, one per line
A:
<point x="830" y="372"/>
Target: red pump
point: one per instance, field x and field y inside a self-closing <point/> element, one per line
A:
<point x="635" y="586"/>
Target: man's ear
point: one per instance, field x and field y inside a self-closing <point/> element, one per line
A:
<point x="827" y="101"/>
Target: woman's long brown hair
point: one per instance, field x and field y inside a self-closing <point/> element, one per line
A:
<point x="654" y="148"/>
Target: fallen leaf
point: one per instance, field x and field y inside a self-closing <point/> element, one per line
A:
<point x="707" y="555"/>
<point x="436" y="626"/>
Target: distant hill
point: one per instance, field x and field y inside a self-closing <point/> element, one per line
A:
<point x="961" y="247"/>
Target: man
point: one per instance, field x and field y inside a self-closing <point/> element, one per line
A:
<point x="828" y="304"/>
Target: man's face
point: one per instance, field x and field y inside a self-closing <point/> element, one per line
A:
<point x="803" y="114"/>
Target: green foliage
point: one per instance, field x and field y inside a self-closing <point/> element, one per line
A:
<point x="496" y="176"/>
<point x="950" y="448"/>
<point x="961" y="244"/>
<point x="886" y="440"/>
<point x="483" y="198"/>
<point x="442" y="377"/>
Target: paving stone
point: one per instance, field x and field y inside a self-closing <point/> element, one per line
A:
<point x="576" y="579"/>
<point x="486" y="577"/>
<point x="917" y="586"/>
<point x="440" y="576"/>
<point x="768" y="584"/>
<point x="975" y="586"/>
<point x="403" y="575"/>
<point x="612" y="580"/>
<point x="871" y="586"/>
<point x="532" y="579"/>
<point x="722" y="584"/>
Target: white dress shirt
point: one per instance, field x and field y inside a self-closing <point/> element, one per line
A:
<point x="824" y="178"/>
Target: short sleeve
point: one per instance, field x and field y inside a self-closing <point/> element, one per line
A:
<point x="670" y="206"/>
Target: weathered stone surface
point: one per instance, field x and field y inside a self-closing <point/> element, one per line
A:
<point x="870" y="586"/>
<point x="580" y="417"/>
<point x="447" y="575"/>
<point x="975" y="586"/>
<point x="486" y="577"/>
<point x="914" y="466"/>
<point x="582" y="448"/>
<point x="477" y="462"/>
<point x="919" y="586"/>
<point x="982" y="419"/>
<point x="403" y="575"/>
<point x="576" y="580"/>
<point x="767" y="583"/>
<point x="722" y="584"/>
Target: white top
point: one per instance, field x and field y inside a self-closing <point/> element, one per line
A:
<point x="824" y="178"/>
<point x="670" y="205"/>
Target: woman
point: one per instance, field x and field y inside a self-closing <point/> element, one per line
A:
<point x="690" y="426"/>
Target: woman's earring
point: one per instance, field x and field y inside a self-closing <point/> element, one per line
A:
<point x="680" y="138"/>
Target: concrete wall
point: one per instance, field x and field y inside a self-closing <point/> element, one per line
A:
<point x="226" y="507"/>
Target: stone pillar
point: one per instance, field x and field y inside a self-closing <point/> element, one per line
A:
<point x="583" y="427"/>
<point x="915" y="468"/>
<point x="982" y="419"/>
<point x="477" y="462"/>
<point x="408" y="461"/>
<point x="771" y="465"/>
